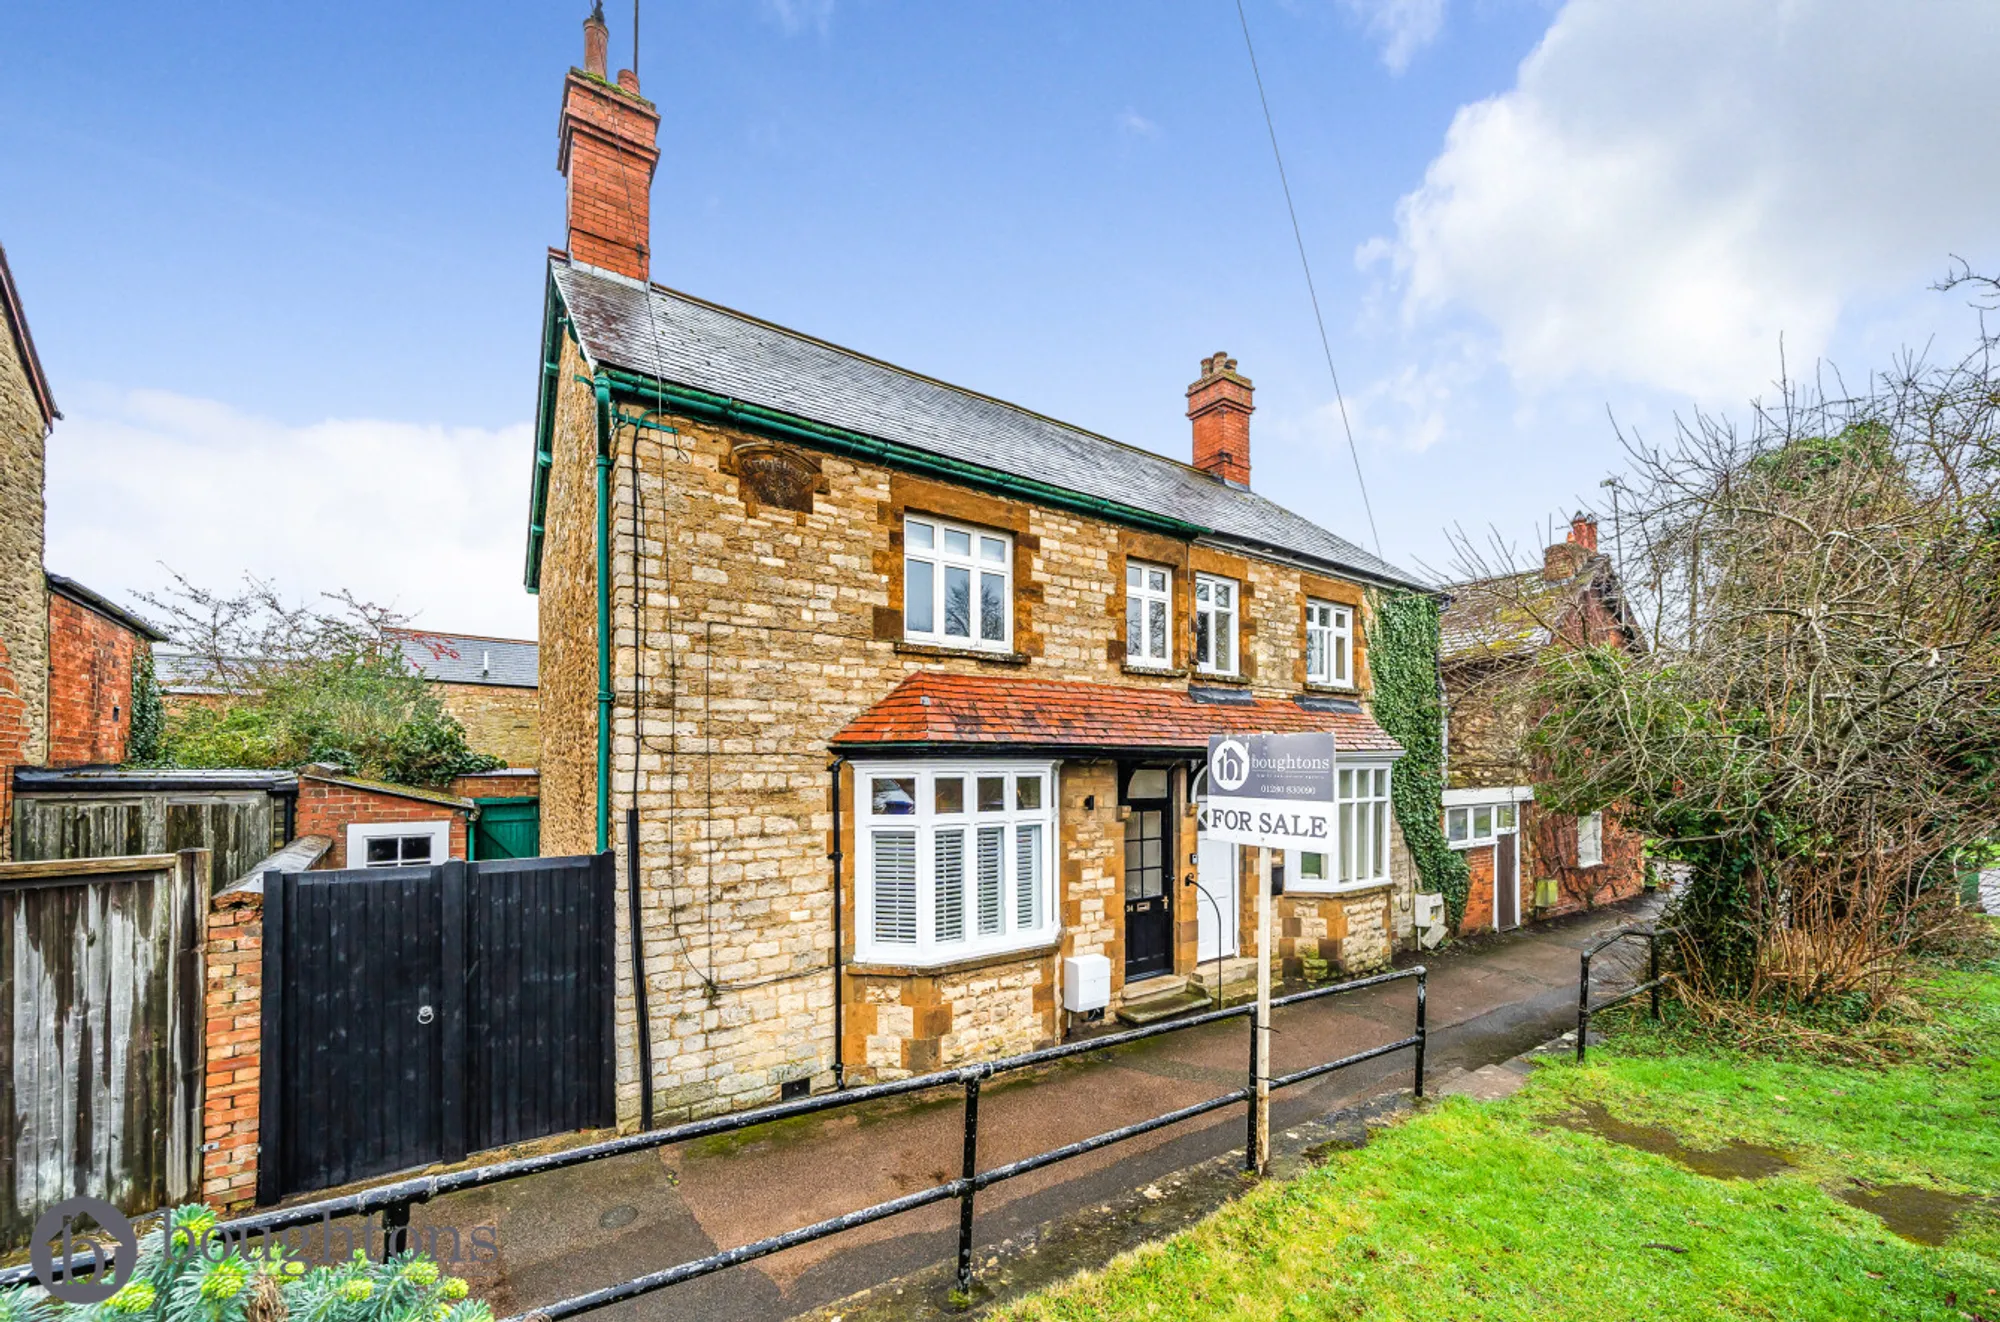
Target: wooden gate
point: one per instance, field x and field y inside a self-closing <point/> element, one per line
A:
<point x="100" y="1055"/>
<point x="414" y="1015"/>
<point x="507" y="828"/>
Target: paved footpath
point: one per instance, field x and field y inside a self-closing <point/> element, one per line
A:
<point x="569" y="1231"/>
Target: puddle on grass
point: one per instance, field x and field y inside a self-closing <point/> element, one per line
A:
<point x="1920" y="1215"/>
<point x="1736" y="1161"/>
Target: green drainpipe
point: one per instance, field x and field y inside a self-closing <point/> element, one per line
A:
<point x="603" y="385"/>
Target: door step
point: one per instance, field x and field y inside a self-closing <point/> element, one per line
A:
<point x="1156" y="1008"/>
<point x="1238" y="974"/>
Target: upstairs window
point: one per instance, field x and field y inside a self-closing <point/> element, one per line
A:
<point x="1329" y="644"/>
<point x="1590" y="840"/>
<point x="1149" y="614"/>
<point x="957" y="861"/>
<point x="1214" y="625"/>
<point x="958" y="586"/>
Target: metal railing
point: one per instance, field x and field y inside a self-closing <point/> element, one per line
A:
<point x="1653" y="983"/>
<point x="395" y="1199"/>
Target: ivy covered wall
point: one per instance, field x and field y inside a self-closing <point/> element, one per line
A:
<point x="1403" y="658"/>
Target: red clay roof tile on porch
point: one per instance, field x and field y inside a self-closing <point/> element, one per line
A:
<point x="933" y="708"/>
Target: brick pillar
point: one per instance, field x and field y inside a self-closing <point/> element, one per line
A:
<point x="234" y="1019"/>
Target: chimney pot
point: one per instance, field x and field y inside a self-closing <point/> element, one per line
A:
<point x="596" y="40"/>
<point x="1220" y="408"/>
<point x="1583" y="531"/>
<point x="629" y="81"/>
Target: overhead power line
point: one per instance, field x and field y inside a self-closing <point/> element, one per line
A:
<point x="1325" y="345"/>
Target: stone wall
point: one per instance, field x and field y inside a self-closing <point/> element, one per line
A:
<point x="24" y="597"/>
<point x="90" y="685"/>
<point x="767" y="627"/>
<point x="232" y="1043"/>
<point x="499" y="719"/>
<point x="1353" y="932"/>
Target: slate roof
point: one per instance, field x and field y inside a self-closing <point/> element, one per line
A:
<point x="465" y="658"/>
<point x="686" y="341"/>
<point x="1518" y="614"/>
<point x="935" y="709"/>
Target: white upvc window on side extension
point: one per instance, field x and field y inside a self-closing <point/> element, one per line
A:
<point x="1361" y="838"/>
<point x="1329" y="644"/>
<point x="1149" y="615"/>
<point x="1214" y="625"/>
<point x="397" y="844"/>
<point x="957" y="860"/>
<point x="958" y="585"/>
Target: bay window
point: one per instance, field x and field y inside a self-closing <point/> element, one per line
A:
<point x="1214" y="624"/>
<point x="1329" y="643"/>
<point x="1149" y="614"/>
<point x="957" y="860"/>
<point x="958" y="585"/>
<point x="1361" y="837"/>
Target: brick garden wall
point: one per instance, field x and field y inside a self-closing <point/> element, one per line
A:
<point x="778" y="627"/>
<point x="328" y="807"/>
<point x="233" y="1025"/>
<point x="90" y="685"/>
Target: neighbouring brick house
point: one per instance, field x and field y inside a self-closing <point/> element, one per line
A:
<point x="905" y="689"/>
<point x="487" y="683"/>
<point x="66" y="653"/>
<point x="1524" y="862"/>
<point x="373" y="824"/>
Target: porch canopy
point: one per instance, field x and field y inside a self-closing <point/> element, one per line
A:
<point x="934" y="711"/>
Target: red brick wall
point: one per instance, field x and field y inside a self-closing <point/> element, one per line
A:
<point x="16" y="729"/>
<point x="1479" y="893"/>
<point x="234" y="1021"/>
<point x="499" y="785"/>
<point x="328" y="807"/>
<point x="1550" y="851"/>
<point x="90" y="685"/>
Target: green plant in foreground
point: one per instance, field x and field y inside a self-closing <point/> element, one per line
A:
<point x="183" y="1274"/>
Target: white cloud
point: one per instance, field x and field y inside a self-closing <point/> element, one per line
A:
<point x="1132" y="122"/>
<point x="432" y="519"/>
<point x="1404" y="26"/>
<point x="796" y="16"/>
<point x="1672" y="185"/>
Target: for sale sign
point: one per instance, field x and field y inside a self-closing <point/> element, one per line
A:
<point x="1274" y="790"/>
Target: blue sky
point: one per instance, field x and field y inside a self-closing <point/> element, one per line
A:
<point x="284" y="263"/>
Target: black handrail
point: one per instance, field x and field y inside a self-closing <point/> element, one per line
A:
<point x="1653" y="983"/>
<point x="395" y="1199"/>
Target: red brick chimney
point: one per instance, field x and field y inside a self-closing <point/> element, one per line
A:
<point x="608" y="154"/>
<point x="1567" y="558"/>
<point x="1219" y="405"/>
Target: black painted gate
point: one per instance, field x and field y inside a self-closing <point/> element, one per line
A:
<point x="414" y="1015"/>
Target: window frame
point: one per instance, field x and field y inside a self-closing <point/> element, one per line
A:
<point x="1234" y="613"/>
<point x="927" y="823"/>
<point x="1382" y="810"/>
<point x="1595" y="836"/>
<point x="940" y="560"/>
<point x="360" y="833"/>
<point x="1143" y="596"/>
<point x="1338" y="628"/>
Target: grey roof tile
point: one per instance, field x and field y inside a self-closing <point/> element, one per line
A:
<point x="457" y="658"/>
<point x="689" y="342"/>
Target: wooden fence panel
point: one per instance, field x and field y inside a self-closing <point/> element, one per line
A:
<point x="100" y="1055"/>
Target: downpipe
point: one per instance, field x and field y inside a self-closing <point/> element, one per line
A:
<point x="837" y="857"/>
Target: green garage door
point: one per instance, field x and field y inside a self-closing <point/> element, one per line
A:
<point x="507" y="828"/>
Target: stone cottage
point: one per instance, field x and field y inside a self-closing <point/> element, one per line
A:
<point x="1526" y="863"/>
<point x="893" y="697"/>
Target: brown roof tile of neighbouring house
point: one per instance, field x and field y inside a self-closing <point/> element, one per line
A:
<point x="934" y="709"/>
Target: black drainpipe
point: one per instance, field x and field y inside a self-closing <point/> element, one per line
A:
<point x="839" y="1066"/>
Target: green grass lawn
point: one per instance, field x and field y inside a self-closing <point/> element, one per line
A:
<point x="1498" y="1210"/>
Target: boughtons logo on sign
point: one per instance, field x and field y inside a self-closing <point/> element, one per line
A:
<point x="62" y="1235"/>
<point x="1229" y="767"/>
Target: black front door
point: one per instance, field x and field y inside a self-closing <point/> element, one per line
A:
<point x="1149" y="903"/>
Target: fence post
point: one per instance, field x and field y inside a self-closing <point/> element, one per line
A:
<point x="395" y="1230"/>
<point x="1583" y="1007"/>
<point x="967" y="1170"/>
<point x="1420" y="1031"/>
<point x="1653" y="972"/>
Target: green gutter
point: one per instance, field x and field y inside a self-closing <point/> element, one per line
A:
<point x="785" y="426"/>
<point x="603" y="386"/>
